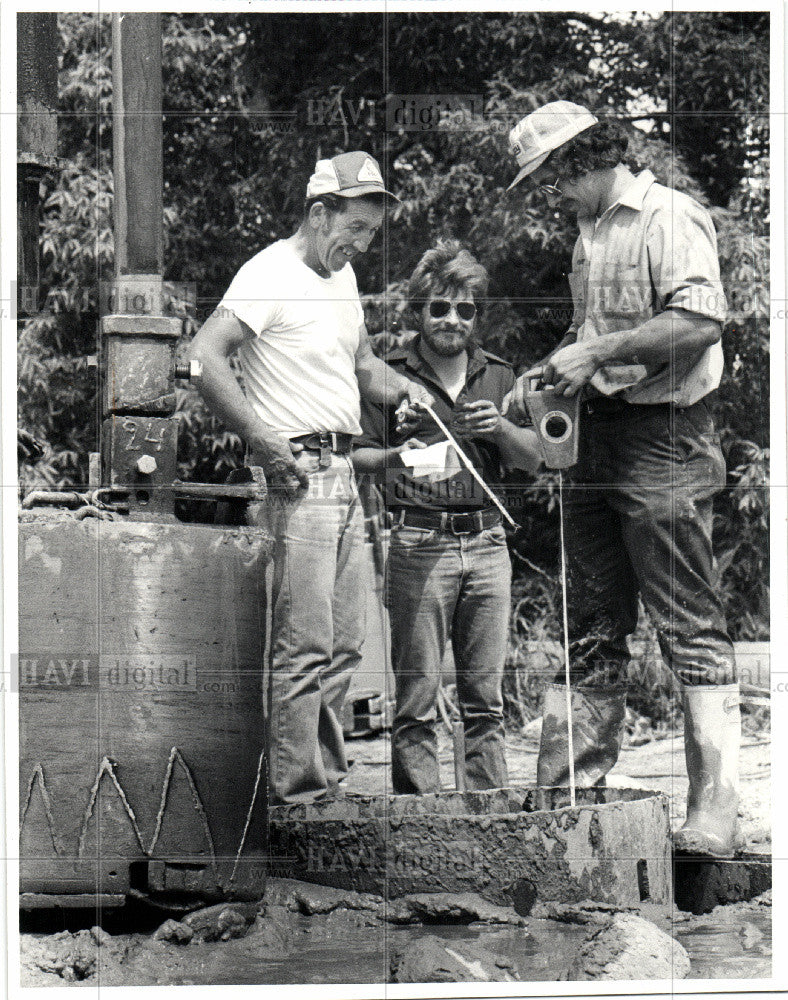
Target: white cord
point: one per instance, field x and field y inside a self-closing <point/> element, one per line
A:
<point x="570" y="741"/>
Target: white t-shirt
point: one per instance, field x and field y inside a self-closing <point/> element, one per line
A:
<point x="299" y="369"/>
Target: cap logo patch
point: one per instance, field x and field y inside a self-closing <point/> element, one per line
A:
<point x="370" y="173"/>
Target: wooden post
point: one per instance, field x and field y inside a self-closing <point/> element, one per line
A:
<point x="36" y="130"/>
<point x="139" y="435"/>
<point x="137" y="162"/>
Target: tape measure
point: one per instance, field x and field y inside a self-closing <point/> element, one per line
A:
<point x="467" y="462"/>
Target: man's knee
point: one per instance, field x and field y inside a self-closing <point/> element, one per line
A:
<point x="602" y="619"/>
<point x="700" y="657"/>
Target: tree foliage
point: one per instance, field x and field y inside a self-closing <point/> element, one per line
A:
<point x="251" y="100"/>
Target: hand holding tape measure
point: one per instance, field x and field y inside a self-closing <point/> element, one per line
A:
<point x="570" y="368"/>
<point x="420" y="404"/>
<point x="555" y="418"/>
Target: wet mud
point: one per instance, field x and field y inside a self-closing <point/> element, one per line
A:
<point x="308" y="934"/>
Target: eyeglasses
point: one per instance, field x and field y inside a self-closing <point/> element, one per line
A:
<point x="439" y="308"/>
<point x="553" y="190"/>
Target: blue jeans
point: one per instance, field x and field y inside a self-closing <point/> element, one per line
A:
<point x="448" y="588"/>
<point x="317" y="628"/>
<point x="638" y="522"/>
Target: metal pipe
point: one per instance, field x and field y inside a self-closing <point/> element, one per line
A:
<point x="56" y="497"/>
<point x="211" y="491"/>
<point x="84" y="512"/>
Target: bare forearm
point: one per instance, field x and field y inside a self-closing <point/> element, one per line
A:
<point x="218" y="385"/>
<point x="519" y="447"/>
<point x="223" y="395"/>
<point x="376" y="459"/>
<point x="671" y="337"/>
<point x="217" y="340"/>
<point x="378" y="382"/>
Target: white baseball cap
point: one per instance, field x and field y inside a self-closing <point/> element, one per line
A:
<point x="349" y="175"/>
<point x="535" y="137"/>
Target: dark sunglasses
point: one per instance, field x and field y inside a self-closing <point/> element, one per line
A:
<point x="441" y="307"/>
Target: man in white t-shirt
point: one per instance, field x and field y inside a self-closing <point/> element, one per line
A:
<point x="293" y="315"/>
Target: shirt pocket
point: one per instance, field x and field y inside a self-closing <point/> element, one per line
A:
<point x="625" y="291"/>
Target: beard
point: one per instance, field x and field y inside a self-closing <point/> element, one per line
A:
<point x="447" y="343"/>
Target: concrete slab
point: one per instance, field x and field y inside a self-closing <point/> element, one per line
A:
<point x="701" y="883"/>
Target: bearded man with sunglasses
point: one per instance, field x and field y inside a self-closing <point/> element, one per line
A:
<point x="448" y="573"/>
<point x="644" y="347"/>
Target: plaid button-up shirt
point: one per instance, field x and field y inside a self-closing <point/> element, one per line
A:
<point x="653" y="249"/>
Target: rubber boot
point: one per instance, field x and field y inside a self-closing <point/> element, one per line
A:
<point x="597" y="734"/>
<point x="712" y="735"/>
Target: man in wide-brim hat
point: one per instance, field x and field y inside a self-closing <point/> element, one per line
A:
<point x="644" y="347"/>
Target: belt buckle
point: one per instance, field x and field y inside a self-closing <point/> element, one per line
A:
<point x="324" y="461"/>
<point x="455" y="530"/>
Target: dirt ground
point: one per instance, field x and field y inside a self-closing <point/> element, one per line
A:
<point x="303" y="934"/>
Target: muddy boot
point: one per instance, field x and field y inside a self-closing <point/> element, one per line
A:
<point x="712" y="734"/>
<point x="597" y="734"/>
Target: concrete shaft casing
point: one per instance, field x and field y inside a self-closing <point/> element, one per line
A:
<point x="141" y="707"/>
<point x="614" y="846"/>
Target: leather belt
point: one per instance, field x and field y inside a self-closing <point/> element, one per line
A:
<point x="609" y="406"/>
<point x="457" y="524"/>
<point x="334" y="441"/>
